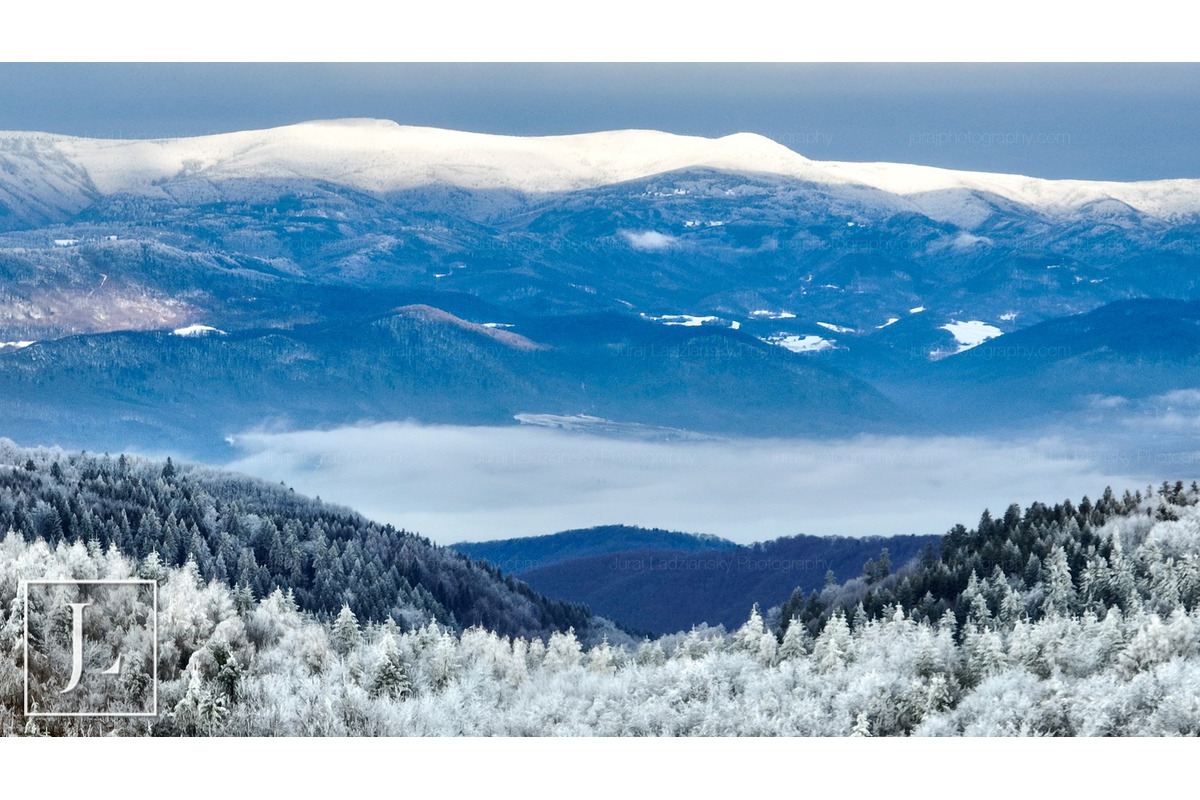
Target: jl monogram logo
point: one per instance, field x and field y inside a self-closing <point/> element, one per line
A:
<point x="91" y="648"/>
<point x="77" y="648"/>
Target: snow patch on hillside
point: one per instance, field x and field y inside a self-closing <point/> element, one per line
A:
<point x="961" y="241"/>
<point x="829" y="326"/>
<point x="801" y="343"/>
<point x="971" y="333"/>
<point x="686" y="320"/>
<point x="198" y="330"/>
<point x="649" y="240"/>
<point x="692" y="320"/>
<point x="599" y="426"/>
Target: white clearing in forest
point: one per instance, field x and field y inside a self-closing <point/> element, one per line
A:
<point x="687" y="320"/>
<point x="197" y="330"/>
<point x="15" y="345"/>
<point x="971" y="333"/>
<point x="801" y="344"/>
<point x="836" y="328"/>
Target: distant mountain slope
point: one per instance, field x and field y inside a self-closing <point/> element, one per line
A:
<point x="153" y="389"/>
<point x="668" y="590"/>
<point x="533" y="552"/>
<point x="1143" y="335"/>
<point x="1084" y="366"/>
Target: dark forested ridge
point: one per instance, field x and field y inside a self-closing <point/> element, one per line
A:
<point x="666" y="589"/>
<point x="532" y="552"/>
<point x="259" y="537"/>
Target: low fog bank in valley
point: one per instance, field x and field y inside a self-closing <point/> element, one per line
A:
<point x="455" y="483"/>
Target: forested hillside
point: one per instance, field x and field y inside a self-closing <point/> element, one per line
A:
<point x="1062" y="559"/>
<point x="724" y="286"/>
<point x="256" y="537"/>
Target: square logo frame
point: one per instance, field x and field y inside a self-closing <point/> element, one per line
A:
<point x="152" y="585"/>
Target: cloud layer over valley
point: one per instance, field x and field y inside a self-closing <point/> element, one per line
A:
<point x="454" y="483"/>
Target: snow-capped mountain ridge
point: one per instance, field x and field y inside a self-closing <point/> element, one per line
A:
<point x="382" y="156"/>
<point x="50" y="171"/>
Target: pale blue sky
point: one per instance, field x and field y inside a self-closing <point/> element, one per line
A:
<point x="1108" y="121"/>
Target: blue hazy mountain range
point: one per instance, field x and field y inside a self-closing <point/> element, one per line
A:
<point x="359" y="270"/>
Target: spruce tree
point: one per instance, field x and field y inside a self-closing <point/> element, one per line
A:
<point x="346" y="634"/>
<point x="391" y="676"/>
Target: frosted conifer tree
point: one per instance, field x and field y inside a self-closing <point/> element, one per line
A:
<point x="651" y="653"/>
<point x="346" y="635"/>
<point x="1060" y="591"/>
<point x="834" y="646"/>
<point x="391" y="677"/>
<point x="563" y="651"/>
<point x="797" y="642"/>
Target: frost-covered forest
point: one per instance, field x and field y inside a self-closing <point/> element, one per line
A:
<point x="1064" y="620"/>
<point x="258" y="536"/>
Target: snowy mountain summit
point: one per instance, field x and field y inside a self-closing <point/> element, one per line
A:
<point x="48" y="172"/>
